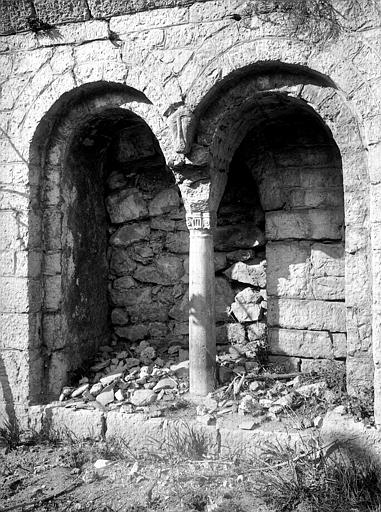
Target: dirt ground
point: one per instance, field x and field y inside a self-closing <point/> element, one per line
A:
<point x="64" y="478"/>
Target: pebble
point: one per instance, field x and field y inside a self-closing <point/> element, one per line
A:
<point x="80" y="390"/>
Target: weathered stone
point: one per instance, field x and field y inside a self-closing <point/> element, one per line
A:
<point x="106" y="396"/>
<point x="164" y="202"/>
<point x="310" y="224"/>
<point x="121" y="262"/>
<point x="180" y="311"/>
<point x="256" y="331"/>
<point x="230" y="333"/>
<point x="166" y="383"/>
<point x="60" y="12"/>
<point x="128" y="235"/>
<point x="130" y="297"/>
<point x="80" y="390"/>
<point x="250" y="274"/>
<point x="288" y="269"/>
<point x="307" y="314"/>
<point x="110" y="378"/>
<point x="83" y="424"/>
<point x="119" y="317"/>
<point x="167" y="270"/>
<point x="142" y="397"/>
<point x="246" y="307"/>
<point x="312" y="344"/>
<point x="126" y="205"/>
<point x="178" y="242"/>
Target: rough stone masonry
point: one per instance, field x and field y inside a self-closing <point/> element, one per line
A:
<point x="188" y="173"/>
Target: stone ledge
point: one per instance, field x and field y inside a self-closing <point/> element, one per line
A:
<point x="357" y="439"/>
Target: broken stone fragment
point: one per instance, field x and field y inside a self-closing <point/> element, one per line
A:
<point x="181" y="369"/>
<point x="143" y="397"/>
<point x="246" y="307"/>
<point x="80" y="390"/>
<point x="106" y="396"/>
<point x="147" y="355"/>
<point x="108" y="379"/>
<point x="248" y="405"/>
<point x="250" y="274"/>
<point x="119" y="395"/>
<point x="166" y="383"/>
<point x="315" y="389"/>
<point x="96" y="389"/>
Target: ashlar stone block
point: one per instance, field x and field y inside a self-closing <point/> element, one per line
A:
<point x="309" y="224"/>
<point x="307" y="314"/>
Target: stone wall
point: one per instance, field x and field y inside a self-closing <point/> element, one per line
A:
<point x="184" y="70"/>
<point x="148" y="245"/>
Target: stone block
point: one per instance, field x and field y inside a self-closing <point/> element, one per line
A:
<point x="256" y="331"/>
<point x="14" y="16"/>
<point x="288" y="266"/>
<point x="242" y="236"/>
<point x="307" y="314"/>
<point x="164" y="202"/>
<point x="9" y="231"/>
<point x="328" y="260"/>
<point x="360" y="371"/>
<point x="131" y="297"/>
<point x="128" y="235"/>
<point x="328" y="288"/>
<point x="306" y="224"/>
<point x="301" y="343"/>
<point x="167" y="270"/>
<point x="126" y="205"/>
<point x="246" y="307"/>
<point x="177" y="242"/>
<point x="219" y="261"/>
<point x="52" y="324"/>
<point x="7" y="263"/>
<point x="70" y="423"/>
<point x="15" y="367"/>
<point x="224" y="298"/>
<point x="250" y="274"/>
<point x="17" y="294"/>
<point x="61" y="11"/>
<point x="230" y="333"/>
<point x="339" y="341"/>
<point x="53" y="292"/>
<point x="355" y="439"/>
<point x="14" y="330"/>
<point x="121" y="262"/>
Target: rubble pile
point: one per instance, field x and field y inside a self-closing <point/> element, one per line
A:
<point x="136" y="379"/>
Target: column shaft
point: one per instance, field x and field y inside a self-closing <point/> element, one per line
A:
<point x="202" y="329"/>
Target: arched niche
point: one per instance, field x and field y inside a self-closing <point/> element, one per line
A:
<point x="105" y="213"/>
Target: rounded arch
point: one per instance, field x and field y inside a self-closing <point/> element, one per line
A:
<point x="235" y="105"/>
<point x="68" y="224"/>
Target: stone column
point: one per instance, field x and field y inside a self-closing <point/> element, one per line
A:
<point x="202" y="325"/>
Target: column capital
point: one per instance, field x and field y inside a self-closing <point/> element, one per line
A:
<point x="201" y="220"/>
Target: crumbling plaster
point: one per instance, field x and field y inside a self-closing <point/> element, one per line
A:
<point x="175" y="60"/>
